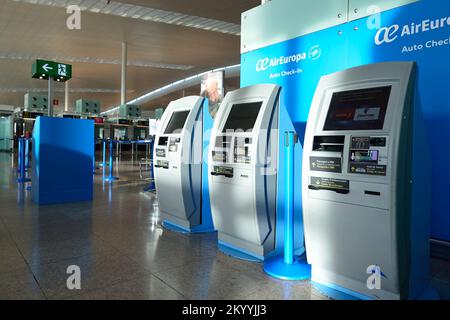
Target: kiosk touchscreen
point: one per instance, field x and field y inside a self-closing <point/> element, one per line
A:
<point x="242" y="162"/>
<point x="178" y="163"/>
<point x="366" y="187"/>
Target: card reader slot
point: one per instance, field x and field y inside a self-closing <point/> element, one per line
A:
<point x="329" y="143"/>
<point x="372" y="193"/>
<point x="227" y="175"/>
<point x="342" y="191"/>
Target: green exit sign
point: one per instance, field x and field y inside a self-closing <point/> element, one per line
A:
<point x="43" y="69"/>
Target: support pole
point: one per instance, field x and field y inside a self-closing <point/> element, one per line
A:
<point x="123" y="80"/>
<point x="111" y="177"/>
<point x="27" y="153"/>
<point x="50" y="96"/>
<point x="19" y="154"/>
<point x="66" y="96"/>
<point x="285" y="266"/>
<point x="152" y="183"/>
<point x="22" y="160"/>
<point x="104" y="156"/>
<point x="289" y="208"/>
<point x="111" y="164"/>
<point x="22" y="178"/>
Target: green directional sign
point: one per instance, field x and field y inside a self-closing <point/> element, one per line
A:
<point x="43" y="69"/>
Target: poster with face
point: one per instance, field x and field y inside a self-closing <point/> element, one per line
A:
<point x="212" y="88"/>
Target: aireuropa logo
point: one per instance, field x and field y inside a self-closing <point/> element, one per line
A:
<point x="387" y="34"/>
<point x="266" y="63"/>
<point x="315" y="52"/>
<point x="263" y="64"/>
<point x="391" y="33"/>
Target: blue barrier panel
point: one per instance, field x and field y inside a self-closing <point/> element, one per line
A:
<point x="62" y="160"/>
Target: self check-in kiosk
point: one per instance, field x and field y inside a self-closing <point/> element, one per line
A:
<point x="178" y="165"/>
<point x="366" y="183"/>
<point x="242" y="162"/>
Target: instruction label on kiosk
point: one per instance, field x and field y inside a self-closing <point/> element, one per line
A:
<point x="364" y="168"/>
<point x="326" y="164"/>
<point x="330" y="183"/>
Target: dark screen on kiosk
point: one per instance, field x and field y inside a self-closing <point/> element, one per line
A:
<point x="362" y="109"/>
<point x="176" y="122"/>
<point x="242" y="116"/>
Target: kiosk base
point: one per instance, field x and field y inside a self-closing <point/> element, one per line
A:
<point x="180" y="229"/>
<point x="229" y="250"/>
<point x="336" y="292"/>
<point x="277" y="268"/>
<point x="429" y="293"/>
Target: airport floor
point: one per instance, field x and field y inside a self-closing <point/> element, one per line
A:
<point x="123" y="251"/>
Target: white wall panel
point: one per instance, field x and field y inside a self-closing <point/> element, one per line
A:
<point x="281" y="20"/>
<point x="362" y="8"/>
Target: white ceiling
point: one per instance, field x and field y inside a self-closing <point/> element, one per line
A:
<point x="159" y="53"/>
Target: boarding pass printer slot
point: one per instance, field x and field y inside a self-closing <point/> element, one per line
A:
<point x="327" y="154"/>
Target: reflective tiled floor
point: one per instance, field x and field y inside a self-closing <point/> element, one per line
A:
<point x="123" y="252"/>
